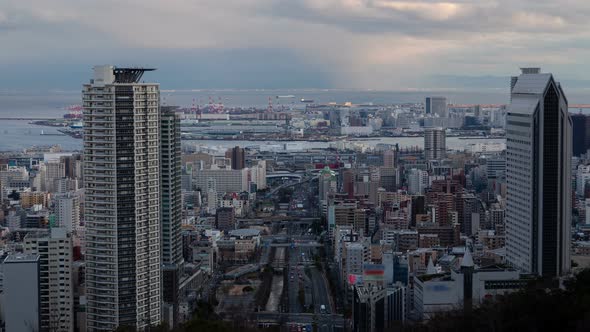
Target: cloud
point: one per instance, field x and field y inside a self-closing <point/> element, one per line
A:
<point x="348" y="43"/>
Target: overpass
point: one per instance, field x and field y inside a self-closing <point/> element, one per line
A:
<point x="284" y="174"/>
<point x="288" y="184"/>
<point x="297" y="244"/>
<point x="324" y="322"/>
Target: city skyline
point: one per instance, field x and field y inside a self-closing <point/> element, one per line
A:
<point x="295" y="165"/>
<point x="169" y="210"/>
<point x="322" y="44"/>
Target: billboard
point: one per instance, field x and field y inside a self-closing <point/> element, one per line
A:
<point x="355" y="279"/>
<point x="373" y="272"/>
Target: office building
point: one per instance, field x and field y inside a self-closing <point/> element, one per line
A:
<point x="225" y="219"/>
<point x="122" y="199"/>
<point x="538" y="176"/>
<point x="436" y="293"/>
<point x="435" y="145"/>
<point x="388" y="178"/>
<point x="438" y="106"/>
<point x="237" y="156"/>
<point x="582" y="179"/>
<point x="54" y="249"/>
<point x="72" y="165"/>
<point x="221" y="180"/>
<point x="581" y="134"/>
<point x="389" y="158"/>
<point x="21" y="293"/>
<point x="495" y="167"/>
<point x="348" y="180"/>
<point x="368" y="309"/>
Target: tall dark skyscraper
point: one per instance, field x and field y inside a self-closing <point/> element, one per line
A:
<point x="538" y="208"/>
<point x="581" y="134"/>
<point x="237" y="156"/>
<point x="171" y="171"/>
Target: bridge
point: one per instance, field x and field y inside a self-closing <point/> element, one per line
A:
<point x="290" y="184"/>
<point x="301" y="245"/>
<point x="324" y="322"/>
<point x="283" y="174"/>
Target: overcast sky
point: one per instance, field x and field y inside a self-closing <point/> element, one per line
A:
<point x="376" y="44"/>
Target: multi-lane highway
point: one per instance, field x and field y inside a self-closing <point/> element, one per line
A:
<point x="317" y="307"/>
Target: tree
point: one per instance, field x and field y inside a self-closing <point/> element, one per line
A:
<point x="541" y="306"/>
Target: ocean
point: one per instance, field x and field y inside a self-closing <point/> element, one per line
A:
<point x="17" y="135"/>
<point x="51" y="104"/>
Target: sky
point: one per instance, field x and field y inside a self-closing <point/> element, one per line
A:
<point x="341" y="44"/>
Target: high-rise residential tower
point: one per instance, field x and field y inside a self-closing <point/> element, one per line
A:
<point x="171" y="168"/>
<point x="122" y="199"/>
<point x="435" y="144"/>
<point x="538" y="201"/>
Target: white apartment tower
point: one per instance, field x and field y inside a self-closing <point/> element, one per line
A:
<point x="435" y="144"/>
<point x="539" y="151"/>
<point x="417" y="181"/>
<point x="122" y="199"/>
<point x="67" y="209"/>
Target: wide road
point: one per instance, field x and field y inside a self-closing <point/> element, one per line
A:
<point x="321" y="292"/>
<point x="294" y="282"/>
<point x="327" y="322"/>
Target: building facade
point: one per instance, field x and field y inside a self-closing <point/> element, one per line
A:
<point x="122" y="199"/>
<point x="435" y="145"/>
<point x="171" y="171"/>
<point x="538" y="202"/>
<point x="54" y="249"/>
<point x="21" y="293"/>
<point x="581" y="134"/>
<point x="437" y="105"/>
<point x="67" y="210"/>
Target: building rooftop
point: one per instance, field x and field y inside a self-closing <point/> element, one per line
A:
<point x="531" y="84"/>
<point x="129" y="74"/>
<point x="244" y="232"/>
<point x="21" y="258"/>
<point x="467" y="260"/>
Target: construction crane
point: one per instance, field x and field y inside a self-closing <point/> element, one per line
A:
<point x="220" y="105"/>
<point x="269" y="108"/>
